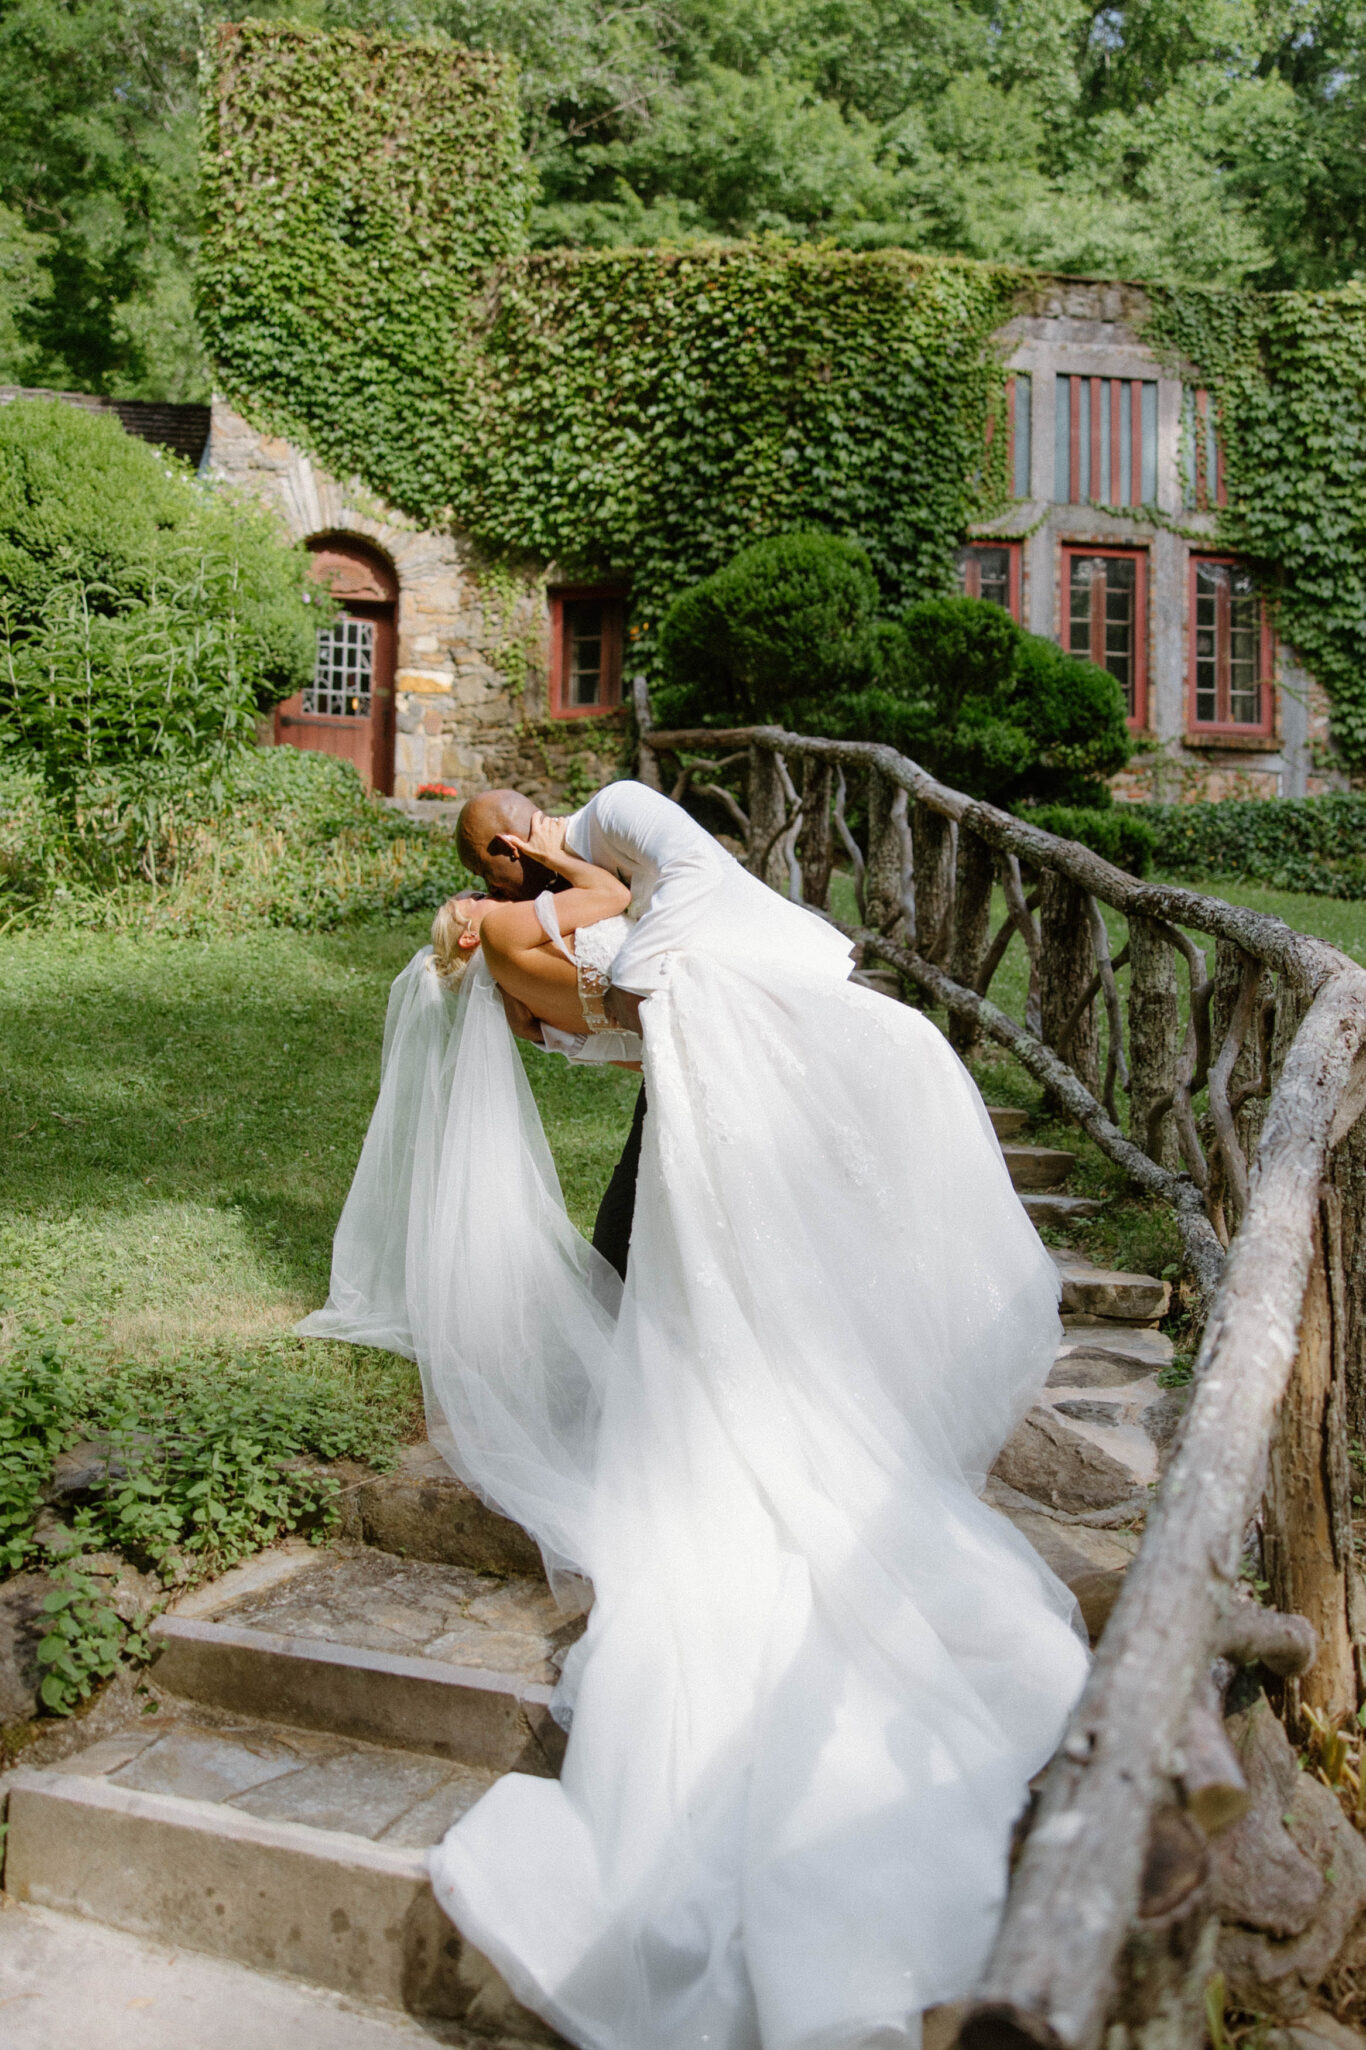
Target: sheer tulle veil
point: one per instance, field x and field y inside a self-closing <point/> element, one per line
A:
<point x="819" y="1670"/>
<point x="455" y="1250"/>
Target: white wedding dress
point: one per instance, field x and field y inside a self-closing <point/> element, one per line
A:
<point x="818" y="1672"/>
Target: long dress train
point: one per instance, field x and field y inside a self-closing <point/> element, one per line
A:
<point x="818" y="1671"/>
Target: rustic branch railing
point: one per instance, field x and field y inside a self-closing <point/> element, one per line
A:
<point x="1267" y="1188"/>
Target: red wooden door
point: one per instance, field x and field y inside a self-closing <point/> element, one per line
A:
<point x="348" y="709"/>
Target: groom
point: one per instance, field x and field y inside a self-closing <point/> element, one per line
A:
<point x="673" y="867"/>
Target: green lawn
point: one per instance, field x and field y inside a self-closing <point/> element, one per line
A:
<point x="179" y="1122"/>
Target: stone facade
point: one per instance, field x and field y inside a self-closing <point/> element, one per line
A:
<point x="473" y="641"/>
<point x="471" y="706"/>
<point x="1091" y="329"/>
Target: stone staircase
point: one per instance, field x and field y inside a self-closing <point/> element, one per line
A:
<point x="318" y="1717"/>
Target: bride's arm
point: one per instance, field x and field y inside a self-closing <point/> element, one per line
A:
<point x="593" y="893"/>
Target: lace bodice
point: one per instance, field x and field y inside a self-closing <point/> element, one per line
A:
<point x="595" y="949"/>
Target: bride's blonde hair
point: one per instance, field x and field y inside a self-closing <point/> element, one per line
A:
<point x="449" y="958"/>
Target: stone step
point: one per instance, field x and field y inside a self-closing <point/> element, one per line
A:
<point x="1038" y="1167"/>
<point x="1104" y="1355"/>
<point x="421" y="1511"/>
<point x="1007" y="1122"/>
<point x="492" y="1720"/>
<point x="1091" y="1291"/>
<point x="337" y="1909"/>
<point x="1042" y="1206"/>
<point x="58" y="1972"/>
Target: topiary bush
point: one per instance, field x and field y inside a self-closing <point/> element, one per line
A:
<point x="785" y="621"/>
<point x="1002" y="714"/>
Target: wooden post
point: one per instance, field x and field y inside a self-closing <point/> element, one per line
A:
<point x="883" y="877"/>
<point x="1154" y="1036"/>
<point x="767" y="810"/>
<point x="1308" y="1504"/>
<point x="816" y="841"/>
<point x="934" y="864"/>
<point x="971" y="930"/>
<point x="1348" y="1176"/>
<point x="1067" y="965"/>
<point x="647" y="761"/>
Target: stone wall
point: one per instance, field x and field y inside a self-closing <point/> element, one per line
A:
<point x="1079" y="327"/>
<point x="470" y="688"/>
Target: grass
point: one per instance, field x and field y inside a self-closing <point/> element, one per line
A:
<point x="179" y="1122"/>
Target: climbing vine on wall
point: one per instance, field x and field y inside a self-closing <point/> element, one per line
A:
<point x="1289" y="373"/>
<point x="640" y="412"/>
<point x="651" y="411"/>
<point x="357" y="194"/>
<point x="366" y="291"/>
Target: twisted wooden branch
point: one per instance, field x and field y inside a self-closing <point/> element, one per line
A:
<point x="848" y="842"/>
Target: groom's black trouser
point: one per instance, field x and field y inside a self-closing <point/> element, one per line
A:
<point x="612" y="1232"/>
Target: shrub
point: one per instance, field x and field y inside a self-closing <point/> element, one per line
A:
<point x="1313" y="844"/>
<point x="785" y="620"/>
<point x="999" y="713"/>
<point x="85" y="507"/>
<point x="1119" y="832"/>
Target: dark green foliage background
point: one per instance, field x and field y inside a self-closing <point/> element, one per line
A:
<point x="649" y="412"/>
<point x="1313" y="844"/>
<point x="645" y="412"/>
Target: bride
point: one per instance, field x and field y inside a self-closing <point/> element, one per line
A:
<point x="818" y="1672"/>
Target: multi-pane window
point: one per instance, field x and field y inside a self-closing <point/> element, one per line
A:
<point x="1105" y="618"/>
<point x="1229" y="647"/>
<point x="1105" y="451"/>
<point x="1202" y="459"/>
<point x="587" y="636"/>
<point x="583" y="627"/>
<point x="992" y="574"/>
<point x="343" y="671"/>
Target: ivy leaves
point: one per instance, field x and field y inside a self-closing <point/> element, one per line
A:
<point x="1289" y="371"/>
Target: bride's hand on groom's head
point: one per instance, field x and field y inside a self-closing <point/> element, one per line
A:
<point x="545" y="841"/>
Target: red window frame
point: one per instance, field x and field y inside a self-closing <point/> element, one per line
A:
<point x="1201" y="421"/>
<point x="612" y="598"/>
<point x="970" y="570"/>
<point x="1079" y="550"/>
<point x="1266" y="652"/>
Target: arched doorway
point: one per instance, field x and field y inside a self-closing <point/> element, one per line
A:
<point x="348" y="709"/>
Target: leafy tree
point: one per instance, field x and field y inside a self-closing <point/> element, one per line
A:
<point x="143" y="619"/>
<point x="784" y="622"/>
<point x="1214" y="141"/>
<point x="83" y="503"/>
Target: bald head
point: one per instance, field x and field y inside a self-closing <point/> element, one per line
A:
<point x="483" y="822"/>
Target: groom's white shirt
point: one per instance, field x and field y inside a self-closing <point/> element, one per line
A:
<point x="671" y="863"/>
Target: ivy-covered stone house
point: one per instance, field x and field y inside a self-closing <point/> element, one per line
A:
<point x="508" y="462"/>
